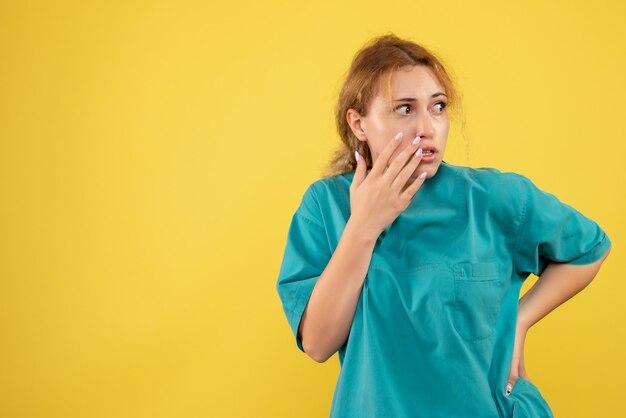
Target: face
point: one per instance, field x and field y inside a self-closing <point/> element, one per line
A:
<point x="419" y="107"/>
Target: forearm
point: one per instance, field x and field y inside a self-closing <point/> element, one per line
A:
<point x="328" y="317"/>
<point x="558" y="283"/>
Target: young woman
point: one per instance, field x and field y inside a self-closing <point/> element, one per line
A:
<point x="411" y="267"/>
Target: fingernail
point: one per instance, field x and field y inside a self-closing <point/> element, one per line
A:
<point x="417" y="140"/>
<point x="356" y="155"/>
<point x="399" y="136"/>
<point x="422" y="175"/>
<point x="418" y="152"/>
<point x="509" y="388"/>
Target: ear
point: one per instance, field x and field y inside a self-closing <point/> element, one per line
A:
<point x="357" y="124"/>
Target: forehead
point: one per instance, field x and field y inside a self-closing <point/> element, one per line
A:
<point x="412" y="81"/>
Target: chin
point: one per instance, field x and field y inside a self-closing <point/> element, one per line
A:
<point x="431" y="170"/>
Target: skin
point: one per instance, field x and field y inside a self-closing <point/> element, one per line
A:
<point x="426" y="116"/>
<point x="558" y="283"/>
<point x="375" y="202"/>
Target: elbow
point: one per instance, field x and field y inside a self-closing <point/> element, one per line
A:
<point x="317" y="355"/>
<point x="313" y="351"/>
<point x="316" y="358"/>
<point x="320" y="359"/>
<point x="320" y="356"/>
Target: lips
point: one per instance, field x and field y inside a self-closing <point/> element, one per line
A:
<point x="428" y="157"/>
<point x="429" y="148"/>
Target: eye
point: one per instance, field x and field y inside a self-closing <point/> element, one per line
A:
<point x="401" y="106"/>
<point x="443" y="106"/>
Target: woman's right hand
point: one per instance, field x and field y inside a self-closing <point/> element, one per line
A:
<point x="378" y="199"/>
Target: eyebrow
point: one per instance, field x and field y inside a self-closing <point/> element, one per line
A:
<point x="412" y="99"/>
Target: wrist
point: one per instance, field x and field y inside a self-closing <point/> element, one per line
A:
<point x="522" y="325"/>
<point x="361" y="232"/>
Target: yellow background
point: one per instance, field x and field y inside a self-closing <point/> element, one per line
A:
<point x="153" y="153"/>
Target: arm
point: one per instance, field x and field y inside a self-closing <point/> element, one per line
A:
<point x="558" y="283"/>
<point x="561" y="246"/>
<point x="328" y="316"/>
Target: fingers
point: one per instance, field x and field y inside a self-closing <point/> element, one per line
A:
<point x="510" y="382"/>
<point x="361" y="169"/>
<point x="401" y="159"/>
<point x="521" y="367"/>
<point x="381" y="162"/>
<point x="410" y="191"/>
<point x="509" y="388"/>
<point x="513" y="371"/>
<point x="397" y="173"/>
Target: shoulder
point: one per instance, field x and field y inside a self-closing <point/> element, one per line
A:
<point x="501" y="193"/>
<point x="332" y="185"/>
<point x="488" y="178"/>
<point x="333" y="189"/>
<point x="325" y="194"/>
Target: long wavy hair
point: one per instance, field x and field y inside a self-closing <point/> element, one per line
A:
<point x="377" y="60"/>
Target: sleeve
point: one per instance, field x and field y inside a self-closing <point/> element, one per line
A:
<point x="553" y="231"/>
<point x="306" y="255"/>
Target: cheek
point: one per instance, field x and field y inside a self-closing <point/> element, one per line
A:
<point x="376" y="145"/>
<point x="442" y="131"/>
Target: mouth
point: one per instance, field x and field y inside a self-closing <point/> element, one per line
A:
<point x="429" y="154"/>
<point x="429" y="150"/>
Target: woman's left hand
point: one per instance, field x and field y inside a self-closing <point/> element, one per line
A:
<point x="517" y="362"/>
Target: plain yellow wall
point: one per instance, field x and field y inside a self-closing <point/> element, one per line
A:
<point x="153" y="153"/>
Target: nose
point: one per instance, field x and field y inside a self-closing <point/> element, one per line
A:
<point x="424" y="125"/>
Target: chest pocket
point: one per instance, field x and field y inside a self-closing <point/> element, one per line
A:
<point x="477" y="299"/>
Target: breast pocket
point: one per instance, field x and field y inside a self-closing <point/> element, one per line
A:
<point x="477" y="298"/>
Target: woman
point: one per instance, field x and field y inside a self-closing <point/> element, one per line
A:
<point x="410" y="267"/>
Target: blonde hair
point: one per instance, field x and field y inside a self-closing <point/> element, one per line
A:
<point x="375" y="61"/>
